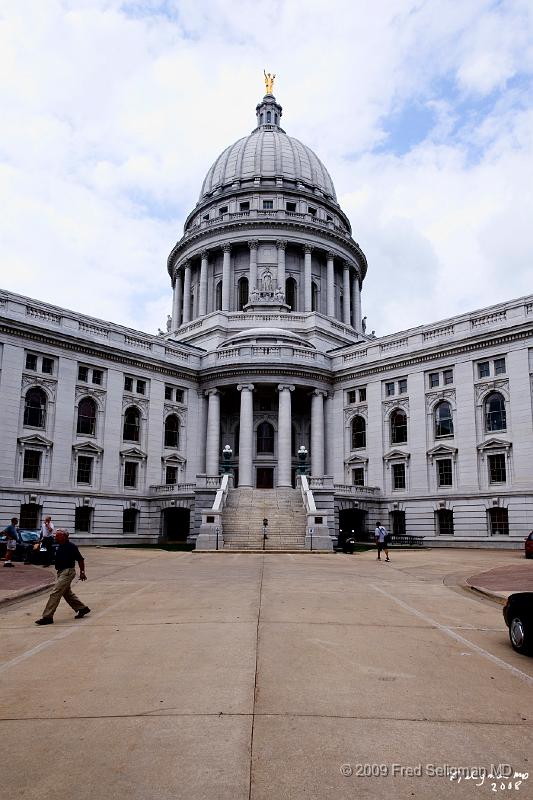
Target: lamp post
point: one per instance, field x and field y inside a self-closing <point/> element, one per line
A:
<point x="302" y="460"/>
<point x="226" y="459"/>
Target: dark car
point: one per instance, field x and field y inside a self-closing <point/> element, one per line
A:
<point x="529" y="545"/>
<point x="518" y="616"/>
<point x="26" y="541"/>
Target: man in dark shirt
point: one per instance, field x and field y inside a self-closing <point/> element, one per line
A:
<point x="66" y="556"/>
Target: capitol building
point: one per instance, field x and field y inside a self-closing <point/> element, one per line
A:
<point x="267" y="398"/>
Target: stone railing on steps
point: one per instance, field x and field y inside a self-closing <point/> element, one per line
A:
<point x="211" y="536"/>
<point x="316" y="532"/>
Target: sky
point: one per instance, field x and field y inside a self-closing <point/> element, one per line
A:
<point x="112" y="113"/>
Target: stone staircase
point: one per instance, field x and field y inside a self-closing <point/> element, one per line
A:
<point x="243" y="515"/>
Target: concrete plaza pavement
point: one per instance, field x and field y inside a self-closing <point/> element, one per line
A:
<point x="250" y="676"/>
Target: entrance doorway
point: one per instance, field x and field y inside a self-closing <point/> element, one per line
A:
<point x="352" y="522"/>
<point x="265" y="478"/>
<point x="175" y="524"/>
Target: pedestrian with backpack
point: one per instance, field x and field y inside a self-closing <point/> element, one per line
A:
<point x="382" y="538"/>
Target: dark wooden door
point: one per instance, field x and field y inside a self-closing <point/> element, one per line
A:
<point x="265" y="478"/>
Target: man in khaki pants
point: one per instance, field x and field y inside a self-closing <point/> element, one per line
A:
<point x="66" y="556"/>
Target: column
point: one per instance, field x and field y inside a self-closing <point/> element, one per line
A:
<point x="226" y="269"/>
<point x="201" y="435"/>
<point x="246" y="434"/>
<point x="212" y="455"/>
<point x="307" y="277"/>
<point x="330" y="285"/>
<point x="284" y="434"/>
<point x="253" y="245"/>
<point x="281" y="245"/>
<point x="329" y="466"/>
<point x="356" y="304"/>
<point x="178" y="301"/>
<point x="317" y="434"/>
<point x="186" y="317"/>
<point x="202" y="304"/>
<point x="346" y="295"/>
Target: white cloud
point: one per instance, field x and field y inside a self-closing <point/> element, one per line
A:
<point x="113" y="112"/>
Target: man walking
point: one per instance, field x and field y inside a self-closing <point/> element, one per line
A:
<point x="66" y="556"/>
<point x="11" y="542"/>
<point x="381" y="536"/>
<point x="47" y="539"/>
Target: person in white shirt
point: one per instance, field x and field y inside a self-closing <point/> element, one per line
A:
<point x="381" y="536"/>
<point x="47" y="539"/>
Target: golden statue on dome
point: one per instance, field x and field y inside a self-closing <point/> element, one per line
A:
<point x="269" y="82"/>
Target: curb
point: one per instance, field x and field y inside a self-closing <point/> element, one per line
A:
<point x="496" y="598"/>
<point x="23" y="593"/>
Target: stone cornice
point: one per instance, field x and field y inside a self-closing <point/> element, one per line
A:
<point x="196" y="240"/>
<point x="282" y="374"/>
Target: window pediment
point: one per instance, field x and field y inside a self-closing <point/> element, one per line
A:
<point x="174" y="459"/>
<point x="357" y="460"/>
<point x="36" y="441"/>
<point x="396" y="454"/>
<point x="494" y="444"/>
<point x="133" y="452"/>
<point x="442" y="450"/>
<point x="87" y="447"/>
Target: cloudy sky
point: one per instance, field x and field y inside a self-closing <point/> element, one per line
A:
<point x="113" y="111"/>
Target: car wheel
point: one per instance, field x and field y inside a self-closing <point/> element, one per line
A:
<point x="521" y="635"/>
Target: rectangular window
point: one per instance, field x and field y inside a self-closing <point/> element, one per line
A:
<point x="83" y="374"/>
<point x="31" y="361"/>
<point x="179" y="395"/>
<point x="447" y="377"/>
<point x="128" y="384"/>
<point x="483" y="369"/>
<point x="141" y="387"/>
<point x="171" y="476"/>
<point x="32" y="465"/>
<point x="97" y="377"/>
<point x="85" y="469"/>
<point x="499" y="366"/>
<point x="223" y="210"/>
<point x="352" y="397"/>
<point x="206" y="217"/>
<point x="497" y="471"/>
<point x="291" y="207"/>
<point x="311" y="211"/>
<point x="168" y="392"/>
<point x="398" y="476"/>
<point x="48" y="366"/>
<point x="402" y="386"/>
<point x="130" y="474"/>
<point x="498" y="522"/>
<point x="433" y="380"/>
<point x="444" y="472"/>
<point x="445" y="522"/>
<point x="389" y="389"/>
<point x="245" y="206"/>
<point x="328" y="218"/>
<point x="82" y="519"/>
<point x="362" y="395"/>
<point x="268" y="204"/>
<point x="358" y="476"/>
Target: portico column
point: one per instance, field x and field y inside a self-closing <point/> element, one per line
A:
<point x="186" y="316"/>
<point x="356" y="303"/>
<point x="253" y="244"/>
<point x="317" y="434"/>
<point x="226" y="264"/>
<point x="202" y="304"/>
<point x="330" y="285"/>
<point x="178" y="301"/>
<point x="284" y="434"/>
<point x="212" y="454"/>
<point x="308" y="302"/>
<point x="281" y="245"/>
<point x="246" y="434"/>
<point x="346" y="295"/>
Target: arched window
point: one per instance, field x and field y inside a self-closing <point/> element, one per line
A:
<point x="443" y="419"/>
<point x="269" y="116"/>
<point x="86" y="417"/>
<point x="129" y="520"/>
<point x="243" y="292"/>
<point x="398" y="426"/>
<point x="262" y="117"/>
<point x="276" y="118"/>
<point x="290" y="293"/>
<point x="358" y="432"/>
<point x="495" y="419"/>
<point x="35" y="408"/>
<point x="314" y="297"/>
<point x="218" y="296"/>
<point x="265" y="438"/>
<point x="132" y="424"/>
<point x="172" y="431"/>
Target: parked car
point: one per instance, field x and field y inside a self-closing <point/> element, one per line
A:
<point x="529" y="545"/>
<point x="518" y="616"/>
<point x="26" y="541"/>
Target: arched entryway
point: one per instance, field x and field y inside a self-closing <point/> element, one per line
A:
<point x="175" y="524"/>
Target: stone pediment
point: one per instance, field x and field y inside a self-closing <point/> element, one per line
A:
<point x="175" y="458"/>
<point x="133" y="452"/>
<point x="356" y="460"/>
<point x="494" y="444"/>
<point x="35" y="439"/>
<point x="394" y="454"/>
<point x="442" y="450"/>
<point x="88" y="447"/>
